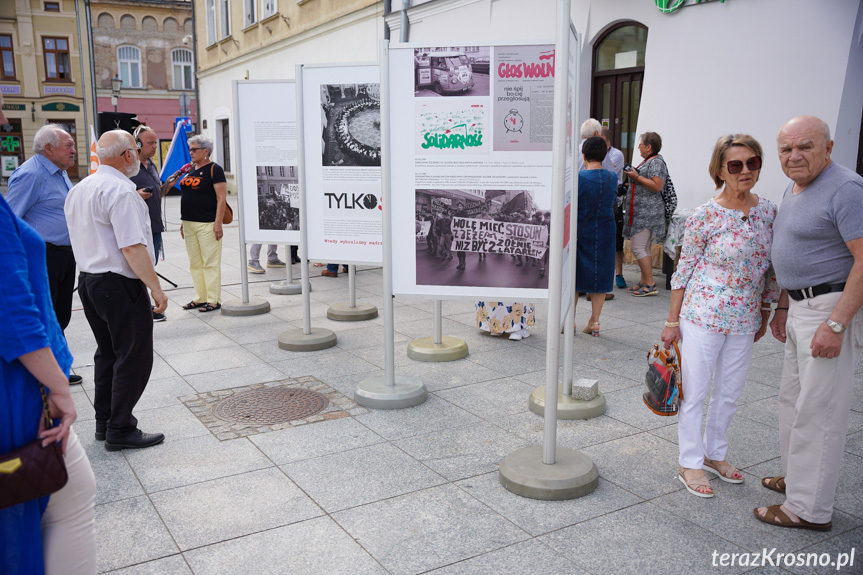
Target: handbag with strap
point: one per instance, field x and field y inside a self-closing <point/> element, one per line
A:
<point x="228" y="216"/>
<point x="663" y="380"/>
<point x="32" y="471"/>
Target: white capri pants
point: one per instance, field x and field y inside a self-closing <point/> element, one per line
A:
<point x="724" y="358"/>
<point x="639" y="244"/>
<point x="69" y="522"/>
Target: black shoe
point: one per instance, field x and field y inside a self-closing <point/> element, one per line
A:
<point x="75" y="379"/>
<point x="158" y="316"/>
<point x="134" y="440"/>
<point x="101" y="431"/>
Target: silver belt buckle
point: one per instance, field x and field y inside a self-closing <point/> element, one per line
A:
<point x="808" y="292"/>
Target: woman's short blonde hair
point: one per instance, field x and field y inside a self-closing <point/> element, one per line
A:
<point x="723" y="144"/>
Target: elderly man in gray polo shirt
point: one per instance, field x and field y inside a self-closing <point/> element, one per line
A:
<point x="818" y="257"/>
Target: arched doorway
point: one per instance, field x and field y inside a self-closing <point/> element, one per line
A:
<point x="618" y="75"/>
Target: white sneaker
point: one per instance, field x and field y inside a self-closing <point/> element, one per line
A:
<point x="520" y="334"/>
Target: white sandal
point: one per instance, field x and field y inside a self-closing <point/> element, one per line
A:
<point x="692" y="485"/>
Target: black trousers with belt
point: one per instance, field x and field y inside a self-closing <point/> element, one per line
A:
<point x="119" y="313"/>
<point x="61" y="278"/>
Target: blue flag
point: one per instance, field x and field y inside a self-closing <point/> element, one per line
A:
<point x="178" y="153"/>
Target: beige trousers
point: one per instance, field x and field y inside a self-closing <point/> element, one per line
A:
<point x="814" y="404"/>
<point x="69" y="522"/>
<point x="205" y="261"/>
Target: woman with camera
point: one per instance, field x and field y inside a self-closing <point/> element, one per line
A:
<point x="644" y="221"/>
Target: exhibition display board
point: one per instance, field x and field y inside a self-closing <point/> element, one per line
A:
<point x="266" y="134"/>
<point x="341" y="108"/>
<point x="472" y="170"/>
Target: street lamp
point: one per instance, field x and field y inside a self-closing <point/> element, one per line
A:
<point x="116" y="84"/>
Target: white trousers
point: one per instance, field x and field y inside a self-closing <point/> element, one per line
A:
<point x="724" y="358"/>
<point x="69" y="522"/>
<point x="814" y="404"/>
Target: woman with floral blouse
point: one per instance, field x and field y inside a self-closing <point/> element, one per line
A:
<point x="720" y="304"/>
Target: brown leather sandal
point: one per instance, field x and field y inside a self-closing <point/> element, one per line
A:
<point x="775" y="512"/>
<point x="776" y="484"/>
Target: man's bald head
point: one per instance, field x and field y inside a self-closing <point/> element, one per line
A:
<point x="117" y="149"/>
<point x="804" y="149"/>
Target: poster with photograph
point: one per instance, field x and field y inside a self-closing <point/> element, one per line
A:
<point x="342" y="170"/>
<point x="481" y="214"/>
<point x="451" y="71"/>
<point x="267" y="157"/>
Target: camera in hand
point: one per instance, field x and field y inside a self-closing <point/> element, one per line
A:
<point x="150" y="190"/>
<point x="627" y="167"/>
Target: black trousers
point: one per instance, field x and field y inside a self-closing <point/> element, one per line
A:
<point x="118" y="311"/>
<point x="61" y="278"/>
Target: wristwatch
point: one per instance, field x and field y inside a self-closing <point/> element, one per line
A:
<point x="835" y="326"/>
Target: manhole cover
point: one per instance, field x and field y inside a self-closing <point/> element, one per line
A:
<point x="270" y="405"/>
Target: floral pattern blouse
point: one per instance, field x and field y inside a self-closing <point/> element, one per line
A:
<point x="501" y="317"/>
<point x="725" y="267"/>
<point x="645" y="209"/>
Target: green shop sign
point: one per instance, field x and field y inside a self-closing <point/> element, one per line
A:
<point x="60" y="107"/>
<point x="669" y="6"/>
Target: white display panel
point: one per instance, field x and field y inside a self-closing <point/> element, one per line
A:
<point x="570" y="224"/>
<point x="342" y="155"/>
<point x="471" y="136"/>
<point x="266" y="133"/>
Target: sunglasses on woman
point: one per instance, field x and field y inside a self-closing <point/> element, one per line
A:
<point x="736" y="166"/>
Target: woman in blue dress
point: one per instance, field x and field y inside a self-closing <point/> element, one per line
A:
<point x="53" y="534"/>
<point x="594" y="263"/>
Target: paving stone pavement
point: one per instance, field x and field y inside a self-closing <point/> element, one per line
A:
<point x="417" y="490"/>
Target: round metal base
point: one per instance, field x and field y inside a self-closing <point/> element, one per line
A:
<point x="449" y="349"/>
<point x="376" y="394"/>
<point x="296" y="340"/>
<point x="567" y="407"/>
<point x="256" y="306"/>
<point x="344" y="312"/>
<point x="285" y="288"/>
<point x="573" y="474"/>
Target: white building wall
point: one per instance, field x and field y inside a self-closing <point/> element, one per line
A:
<point x="353" y="38"/>
<point x="712" y="68"/>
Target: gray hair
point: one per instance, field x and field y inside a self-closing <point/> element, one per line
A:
<point x="202" y="141"/>
<point x="47" y="134"/>
<point x="114" y="144"/>
<point x="820" y="125"/>
<point x="589" y="127"/>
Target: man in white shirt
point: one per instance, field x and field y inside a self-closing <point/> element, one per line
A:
<point x="109" y="226"/>
<point x="589" y="129"/>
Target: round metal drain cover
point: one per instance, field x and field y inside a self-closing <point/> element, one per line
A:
<point x="269" y="406"/>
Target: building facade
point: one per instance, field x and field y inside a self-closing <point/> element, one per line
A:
<point x="149" y="45"/>
<point x="265" y="40"/>
<point x="44" y="76"/>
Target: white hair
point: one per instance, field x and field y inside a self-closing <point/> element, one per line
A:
<point x="590" y="127"/>
<point x="202" y="141"/>
<point x="114" y="144"/>
<point x="47" y="134"/>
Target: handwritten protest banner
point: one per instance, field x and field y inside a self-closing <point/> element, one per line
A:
<point x="491" y="237"/>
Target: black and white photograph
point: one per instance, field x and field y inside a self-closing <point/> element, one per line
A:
<point x="481" y="238"/>
<point x="278" y="197"/>
<point x="351" y="124"/>
<point x="451" y="71"/>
